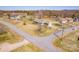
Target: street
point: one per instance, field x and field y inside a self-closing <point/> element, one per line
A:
<point x="44" y="43"/>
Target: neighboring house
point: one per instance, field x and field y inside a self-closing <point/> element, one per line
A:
<point x="16" y="17"/>
<point x="69" y="19"/>
<point x="76" y="19"/>
<point x="66" y="20"/>
<point x="63" y="20"/>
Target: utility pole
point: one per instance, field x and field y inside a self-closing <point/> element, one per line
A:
<point x="62" y="30"/>
<point x="40" y="14"/>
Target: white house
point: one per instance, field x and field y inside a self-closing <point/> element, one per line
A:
<point x="43" y="22"/>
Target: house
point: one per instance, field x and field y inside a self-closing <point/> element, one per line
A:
<point x="63" y="20"/>
<point x="76" y="19"/>
<point x="69" y="19"/>
<point x="40" y="21"/>
<point x="66" y="20"/>
<point x="43" y="22"/>
<point x="16" y="17"/>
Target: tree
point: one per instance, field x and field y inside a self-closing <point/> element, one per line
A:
<point x="73" y="16"/>
<point x="24" y="23"/>
<point x="8" y="16"/>
<point x="78" y="38"/>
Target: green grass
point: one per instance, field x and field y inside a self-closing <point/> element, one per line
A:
<point x="57" y="42"/>
<point x="28" y="48"/>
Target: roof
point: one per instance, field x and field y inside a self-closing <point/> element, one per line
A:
<point x="41" y="21"/>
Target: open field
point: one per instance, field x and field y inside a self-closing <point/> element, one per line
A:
<point x="69" y="42"/>
<point x="28" y="48"/>
<point x="9" y="36"/>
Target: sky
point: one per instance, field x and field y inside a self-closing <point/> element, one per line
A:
<point x="39" y="7"/>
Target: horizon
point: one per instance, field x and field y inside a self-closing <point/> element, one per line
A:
<point x="14" y="8"/>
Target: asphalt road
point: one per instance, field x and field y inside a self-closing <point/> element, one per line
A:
<point x="44" y="43"/>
